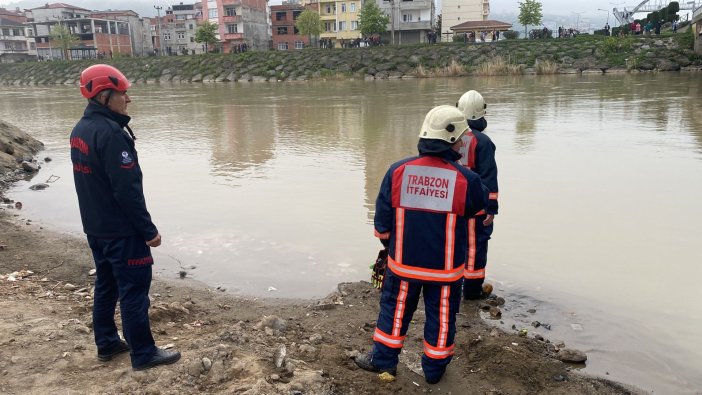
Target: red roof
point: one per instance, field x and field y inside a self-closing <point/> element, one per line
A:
<point x="60" y="5"/>
<point x="482" y="25"/>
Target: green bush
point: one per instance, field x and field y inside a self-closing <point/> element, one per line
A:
<point x="510" y="35"/>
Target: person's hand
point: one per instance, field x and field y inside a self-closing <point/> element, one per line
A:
<point x="155" y="242"/>
<point x="488" y="220"/>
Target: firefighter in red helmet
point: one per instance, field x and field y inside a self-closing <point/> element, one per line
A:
<point x="108" y="182"/>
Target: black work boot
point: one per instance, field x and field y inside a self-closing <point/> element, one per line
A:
<point x="162" y="357"/>
<point x="118" y="349"/>
<point x="365" y="362"/>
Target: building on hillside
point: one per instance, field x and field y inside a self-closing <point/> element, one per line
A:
<point x="140" y="29"/>
<point x="177" y="31"/>
<point x="410" y="20"/>
<point x="16" y="45"/>
<point x="241" y="23"/>
<point x="475" y="29"/>
<point x="96" y="37"/>
<point x="284" y="34"/>
<point x="455" y="12"/>
<point x="339" y="22"/>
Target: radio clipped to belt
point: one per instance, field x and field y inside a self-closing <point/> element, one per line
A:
<point x="378" y="269"/>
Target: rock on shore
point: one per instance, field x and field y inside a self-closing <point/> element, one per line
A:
<point x="17" y="150"/>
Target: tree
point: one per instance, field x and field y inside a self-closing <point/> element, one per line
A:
<point x="206" y="33"/>
<point x="438" y="23"/>
<point x="529" y="13"/>
<point x="372" y="20"/>
<point x="309" y="23"/>
<point x="62" y="38"/>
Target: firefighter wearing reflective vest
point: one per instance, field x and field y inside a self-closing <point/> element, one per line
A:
<point x="478" y="154"/>
<point x="421" y="215"/>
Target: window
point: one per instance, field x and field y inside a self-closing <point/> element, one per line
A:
<point x="343" y="7"/>
<point x="32" y="46"/>
<point x="190" y="26"/>
<point x="233" y="28"/>
<point x="299" y="45"/>
<point x="296" y="14"/>
<point x="352" y="7"/>
<point x="30" y="32"/>
<point x="282" y="30"/>
<point x="282" y="46"/>
<point x="212" y="13"/>
<point x="281" y="15"/>
<point x="5" y="32"/>
<point x="329" y="9"/>
<point x="167" y="35"/>
<point x="406" y="17"/>
<point x="17" y="32"/>
<point x="354" y="25"/>
<point x="192" y="39"/>
<point x="342" y="25"/>
<point x="328" y="27"/>
<point x="180" y="17"/>
<point x="181" y="35"/>
<point x="230" y="11"/>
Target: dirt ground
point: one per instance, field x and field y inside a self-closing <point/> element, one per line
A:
<point x="238" y="345"/>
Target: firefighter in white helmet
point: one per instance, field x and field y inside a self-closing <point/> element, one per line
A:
<point x="421" y="216"/>
<point x="478" y="154"/>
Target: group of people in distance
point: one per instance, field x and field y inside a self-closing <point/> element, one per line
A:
<point x="434" y="214"/>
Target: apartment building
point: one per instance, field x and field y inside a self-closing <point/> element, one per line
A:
<point x="284" y="34"/>
<point x="16" y="45"/>
<point x="340" y="21"/>
<point x="240" y="22"/>
<point x="97" y="37"/>
<point x="455" y="12"/>
<point x="140" y="29"/>
<point x="410" y="20"/>
<point x="177" y="30"/>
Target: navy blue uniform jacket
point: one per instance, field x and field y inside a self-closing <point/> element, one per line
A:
<point x="107" y="176"/>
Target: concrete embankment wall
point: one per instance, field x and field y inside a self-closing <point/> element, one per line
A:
<point x="583" y="54"/>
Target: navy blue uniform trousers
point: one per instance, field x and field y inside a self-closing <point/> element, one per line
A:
<point x="473" y="287"/>
<point x="398" y="303"/>
<point x="123" y="268"/>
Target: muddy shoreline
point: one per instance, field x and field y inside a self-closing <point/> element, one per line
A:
<point x="233" y="344"/>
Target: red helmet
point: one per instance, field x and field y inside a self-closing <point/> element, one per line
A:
<point x="99" y="77"/>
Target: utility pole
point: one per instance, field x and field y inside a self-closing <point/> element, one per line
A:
<point x="392" y="21"/>
<point x="158" y="28"/>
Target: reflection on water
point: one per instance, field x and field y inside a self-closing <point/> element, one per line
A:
<point x="273" y="185"/>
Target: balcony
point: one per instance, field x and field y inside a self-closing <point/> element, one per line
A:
<point x="231" y="19"/>
<point x="416" y="25"/>
<point x="230" y="2"/>
<point x="233" y="36"/>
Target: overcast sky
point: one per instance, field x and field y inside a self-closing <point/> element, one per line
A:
<point x="555" y="11"/>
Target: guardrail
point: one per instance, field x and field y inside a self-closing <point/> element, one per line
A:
<point x="697" y="14"/>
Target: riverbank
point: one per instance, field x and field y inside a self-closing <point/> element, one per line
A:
<point x="234" y="344"/>
<point x="582" y="54"/>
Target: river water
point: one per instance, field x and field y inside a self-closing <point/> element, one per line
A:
<point x="268" y="190"/>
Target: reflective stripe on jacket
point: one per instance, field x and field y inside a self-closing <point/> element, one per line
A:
<point x="478" y="154"/>
<point x="422" y="206"/>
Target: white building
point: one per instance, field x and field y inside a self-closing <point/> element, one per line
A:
<point x="455" y="12"/>
<point x="410" y="20"/>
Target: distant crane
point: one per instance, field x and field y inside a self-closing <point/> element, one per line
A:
<point x="627" y="14"/>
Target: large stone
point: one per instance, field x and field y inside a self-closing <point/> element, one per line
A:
<point x="571" y="355"/>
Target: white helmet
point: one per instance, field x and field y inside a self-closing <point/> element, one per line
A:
<point x="472" y="105"/>
<point x="445" y="123"/>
